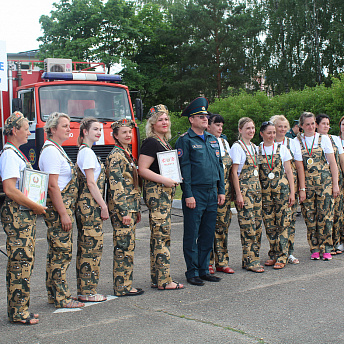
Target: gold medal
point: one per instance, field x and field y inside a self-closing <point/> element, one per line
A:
<point x="255" y="173"/>
<point x="271" y="175"/>
<point x="310" y="161"/>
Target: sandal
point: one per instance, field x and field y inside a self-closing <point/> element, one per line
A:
<point x="225" y="269"/>
<point x="279" y="265"/>
<point x="257" y="269"/>
<point x="338" y="251"/>
<point x="177" y="286"/>
<point x="153" y="285"/>
<point x="293" y="260"/>
<point x="74" y="304"/>
<point x="270" y="262"/>
<point x="32" y="319"/>
<point x="138" y="291"/>
<point x="211" y="270"/>
<point x="333" y="252"/>
<point x="92" y="298"/>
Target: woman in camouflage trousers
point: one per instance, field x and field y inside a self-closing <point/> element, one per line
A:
<point x="219" y="255"/>
<point x="323" y="127"/>
<point x="282" y="127"/>
<point x="59" y="218"/>
<point x="124" y="207"/>
<point x="91" y="210"/>
<point x="19" y="224"/>
<point x="278" y="194"/>
<point x="321" y="187"/>
<point x="158" y="192"/>
<point x="248" y="196"/>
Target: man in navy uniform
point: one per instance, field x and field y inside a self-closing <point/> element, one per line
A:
<point x="203" y="189"/>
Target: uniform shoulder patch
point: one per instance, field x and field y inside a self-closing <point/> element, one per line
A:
<point x="183" y="134"/>
<point x="180" y="152"/>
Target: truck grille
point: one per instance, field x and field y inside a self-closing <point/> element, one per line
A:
<point x="101" y="151"/>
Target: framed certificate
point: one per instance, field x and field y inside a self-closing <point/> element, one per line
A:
<point x="34" y="185"/>
<point x="169" y="165"/>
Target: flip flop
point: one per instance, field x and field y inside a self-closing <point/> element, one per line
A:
<point x="177" y="286"/>
<point x="74" y="304"/>
<point x="138" y="291"/>
<point x="92" y="298"/>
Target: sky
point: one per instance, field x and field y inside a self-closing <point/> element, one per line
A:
<point x="19" y="23"/>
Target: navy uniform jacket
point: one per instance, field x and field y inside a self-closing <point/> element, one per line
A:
<point x="200" y="162"/>
<point x="290" y="134"/>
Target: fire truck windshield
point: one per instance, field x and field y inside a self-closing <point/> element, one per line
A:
<point x="79" y="101"/>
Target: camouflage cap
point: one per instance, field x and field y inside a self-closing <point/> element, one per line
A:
<point x="123" y="123"/>
<point x="156" y="109"/>
<point x="12" y="122"/>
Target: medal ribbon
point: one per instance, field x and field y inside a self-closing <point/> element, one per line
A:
<point x="254" y="161"/>
<point x="165" y="144"/>
<point x="60" y="149"/>
<point x="85" y="144"/>
<point x="18" y="150"/>
<point x="310" y="151"/>
<point x="272" y="157"/>
<point x="122" y="149"/>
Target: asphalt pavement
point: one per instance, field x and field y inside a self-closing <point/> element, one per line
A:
<point x="298" y="304"/>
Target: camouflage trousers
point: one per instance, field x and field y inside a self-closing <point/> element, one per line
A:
<point x="338" y="215"/>
<point x="90" y="249"/>
<point x="20" y="228"/>
<point x="158" y="199"/>
<point x="291" y="228"/>
<point x="59" y="257"/>
<point x="277" y="220"/>
<point x="220" y="253"/>
<point x="317" y="210"/>
<point x="250" y="222"/>
<point x="123" y="254"/>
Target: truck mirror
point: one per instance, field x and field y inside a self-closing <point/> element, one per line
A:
<point x="139" y="108"/>
<point x="17" y="105"/>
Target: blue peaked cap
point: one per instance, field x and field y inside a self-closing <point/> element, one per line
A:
<point x="197" y="107"/>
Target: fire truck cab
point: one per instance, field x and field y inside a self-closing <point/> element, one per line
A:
<point x="79" y="93"/>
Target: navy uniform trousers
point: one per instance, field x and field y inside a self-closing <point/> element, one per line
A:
<point x="199" y="230"/>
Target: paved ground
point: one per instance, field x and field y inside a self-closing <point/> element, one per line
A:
<point x="299" y="304"/>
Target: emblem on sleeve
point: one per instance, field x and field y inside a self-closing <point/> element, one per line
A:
<point x="180" y="152"/>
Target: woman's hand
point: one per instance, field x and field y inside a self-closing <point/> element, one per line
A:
<point x="302" y="196"/>
<point x="291" y="200"/>
<point x="170" y="183"/>
<point x="104" y="214"/>
<point x="126" y="220"/>
<point x="240" y="201"/>
<point x="39" y="210"/>
<point x="335" y="191"/>
<point x="66" y="222"/>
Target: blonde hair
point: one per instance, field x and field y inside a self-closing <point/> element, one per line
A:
<point x="153" y="120"/>
<point x="305" y="115"/>
<point x="53" y="122"/>
<point x="85" y="124"/>
<point x="242" y="122"/>
<point x="280" y="118"/>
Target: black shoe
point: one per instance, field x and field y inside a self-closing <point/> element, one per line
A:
<point x="210" y="278"/>
<point x="195" y="281"/>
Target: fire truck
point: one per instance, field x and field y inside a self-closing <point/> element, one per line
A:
<point x="78" y="89"/>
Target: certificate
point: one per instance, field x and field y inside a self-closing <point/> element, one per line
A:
<point x="169" y="165"/>
<point x="34" y="185"/>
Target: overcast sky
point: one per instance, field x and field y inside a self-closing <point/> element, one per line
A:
<point x="19" y="26"/>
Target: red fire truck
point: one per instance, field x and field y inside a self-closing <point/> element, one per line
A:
<point x="63" y="87"/>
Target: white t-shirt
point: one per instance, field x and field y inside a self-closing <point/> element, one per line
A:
<point x="223" y="148"/>
<point x="53" y="162"/>
<point x="326" y="143"/>
<point x="238" y="154"/>
<point x="284" y="152"/>
<point x="337" y="140"/>
<point x="11" y="165"/>
<point x="87" y="159"/>
<point x="296" y="150"/>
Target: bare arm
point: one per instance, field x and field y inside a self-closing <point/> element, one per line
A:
<point x="95" y="192"/>
<point x="302" y="180"/>
<point x="290" y="177"/>
<point x="17" y="196"/>
<point x="334" y="171"/>
<point x="144" y="163"/>
<point x="235" y="179"/>
<point x="56" y="198"/>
